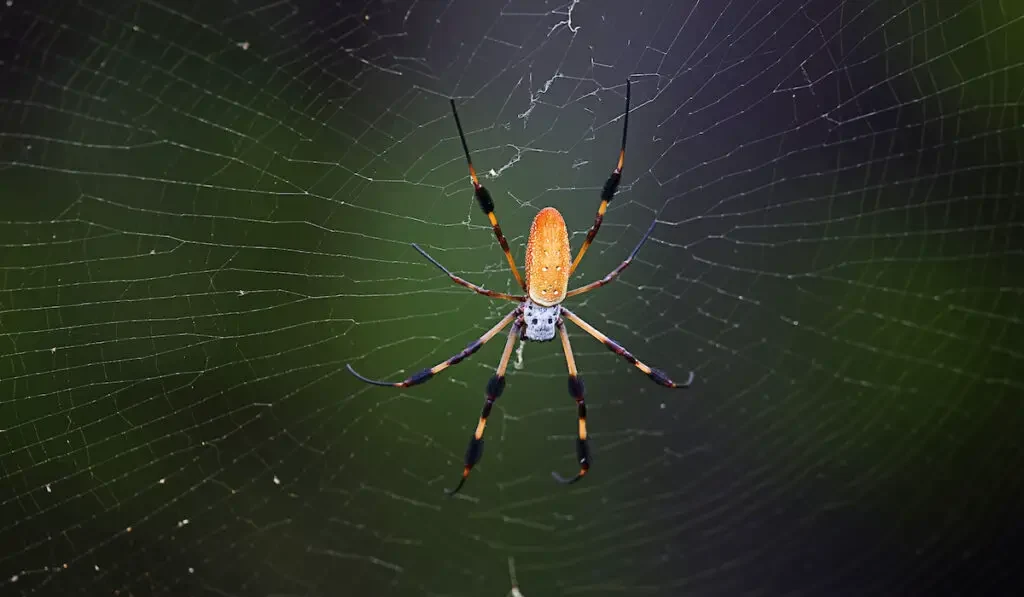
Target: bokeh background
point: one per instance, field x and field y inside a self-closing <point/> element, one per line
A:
<point x="206" y="211"/>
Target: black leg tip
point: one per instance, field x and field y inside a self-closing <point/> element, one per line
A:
<point x="356" y="374"/>
<point x="565" y="481"/>
<point x="375" y="382"/>
<point x="452" y="492"/>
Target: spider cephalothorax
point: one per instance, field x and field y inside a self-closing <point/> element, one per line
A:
<point x="539" y="316"/>
<point x="539" y="321"/>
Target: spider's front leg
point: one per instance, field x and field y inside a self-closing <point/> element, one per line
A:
<point x="576" y="390"/>
<point x="483" y="197"/>
<point x="495" y="386"/>
<point x="610" y="187"/>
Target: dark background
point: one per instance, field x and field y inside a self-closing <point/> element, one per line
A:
<point x="206" y="211"/>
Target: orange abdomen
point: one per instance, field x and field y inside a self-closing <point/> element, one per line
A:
<point x="547" y="258"/>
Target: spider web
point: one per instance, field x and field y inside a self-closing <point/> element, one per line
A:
<point x="206" y="213"/>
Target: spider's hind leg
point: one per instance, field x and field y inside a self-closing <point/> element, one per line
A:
<point x="427" y="374"/>
<point x="657" y="375"/>
<point x="495" y="387"/>
<point x="576" y="390"/>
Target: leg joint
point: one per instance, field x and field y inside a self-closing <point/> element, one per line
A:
<point x="610" y="186"/>
<point x="420" y="377"/>
<point x="583" y="453"/>
<point x="483" y="197"/>
<point x="474" y="451"/>
<point x="495" y="386"/>
<point x="659" y="376"/>
<point x="576" y="387"/>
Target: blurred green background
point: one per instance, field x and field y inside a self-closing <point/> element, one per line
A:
<point x="206" y="211"/>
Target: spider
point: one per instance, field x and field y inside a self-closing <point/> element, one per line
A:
<point x="539" y="315"/>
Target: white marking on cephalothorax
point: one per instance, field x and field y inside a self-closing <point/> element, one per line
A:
<point x="540" y="321"/>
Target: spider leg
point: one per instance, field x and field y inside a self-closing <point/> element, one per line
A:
<point x="495" y="386"/>
<point x="576" y="391"/>
<point x="656" y="374"/>
<point x="615" y="272"/>
<point x="425" y="374"/>
<point x="483" y="197"/>
<point x="610" y="186"/>
<point x="469" y="285"/>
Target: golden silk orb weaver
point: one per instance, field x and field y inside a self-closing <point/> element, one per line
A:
<point x="540" y="314"/>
